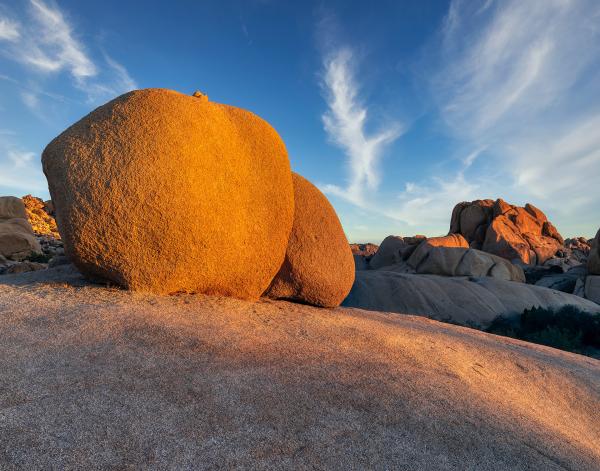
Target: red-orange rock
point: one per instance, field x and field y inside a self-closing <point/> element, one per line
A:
<point x="516" y="233"/>
<point x="163" y="192"/>
<point x="318" y="267"/>
<point x="39" y="217"/>
<point x="503" y="239"/>
<point x="449" y="241"/>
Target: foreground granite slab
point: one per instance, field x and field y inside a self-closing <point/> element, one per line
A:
<point x="99" y="378"/>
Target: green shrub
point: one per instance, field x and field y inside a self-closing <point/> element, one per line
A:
<point x="567" y="328"/>
<point x="38" y="257"/>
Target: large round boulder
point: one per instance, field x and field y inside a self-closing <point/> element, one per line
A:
<point x="318" y="267"/>
<point x="162" y="192"/>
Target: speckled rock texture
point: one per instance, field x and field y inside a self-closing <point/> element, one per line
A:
<point x="319" y="266"/>
<point x="40" y="217"/>
<point x="96" y="378"/>
<point x="17" y="240"/>
<point x="423" y="249"/>
<point x="522" y="234"/>
<point x="162" y="192"/>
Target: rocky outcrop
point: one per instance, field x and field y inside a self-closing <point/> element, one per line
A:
<point x="459" y="261"/>
<point x="40" y="217"/>
<point x="424" y="248"/>
<point x="467" y="301"/>
<point x="445" y="256"/>
<point x="162" y="192"/>
<point x="592" y="288"/>
<point x="521" y="234"/>
<point x="319" y="267"/>
<point x="394" y="250"/>
<point x="95" y="378"/>
<point x="563" y="281"/>
<point x="17" y="240"/>
<point x="366" y="250"/>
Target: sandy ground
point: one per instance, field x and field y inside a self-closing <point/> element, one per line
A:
<point x="97" y="378"/>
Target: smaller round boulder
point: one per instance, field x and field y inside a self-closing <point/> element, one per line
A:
<point x="318" y="267"/>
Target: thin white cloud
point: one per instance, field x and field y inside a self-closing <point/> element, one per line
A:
<point x="55" y="47"/>
<point x="30" y="99"/>
<point x="18" y="167"/>
<point x="116" y="82"/>
<point x="47" y="45"/>
<point x="522" y="80"/>
<point x="20" y="159"/>
<point x="345" y="122"/>
<point x="9" y="30"/>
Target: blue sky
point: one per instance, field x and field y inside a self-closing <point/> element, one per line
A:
<point x="397" y="110"/>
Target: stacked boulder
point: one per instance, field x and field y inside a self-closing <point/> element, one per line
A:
<point x="435" y="256"/>
<point x="318" y="268"/>
<point x="17" y="240"/>
<point x="39" y="214"/>
<point x="161" y="192"/>
<point x="518" y="234"/>
<point x="444" y="256"/>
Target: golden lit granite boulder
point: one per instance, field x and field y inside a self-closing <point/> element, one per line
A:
<point x="17" y="240"/>
<point x="38" y="214"/>
<point x="163" y="192"/>
<point x="516" y="233"/>
<point x="423" y="249"/>
<point x="318" y="267"/>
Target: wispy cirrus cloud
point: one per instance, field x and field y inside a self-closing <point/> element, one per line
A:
<point x="9" y="30"/>
<point x="345" y="123"/>
<point x="18" y="167"/>
<point x="419" y="204"/>
<point x="522" y="78"/>
<point x="55" y="46"/>
<point x="515" y="86"/>
<point x="45" y="42"/>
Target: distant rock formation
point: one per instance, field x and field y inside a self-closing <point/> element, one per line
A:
<point x="394" y="250"/>
<point x="17" y="240"/>
<point x="466" y="301"/>
<point x="318" y="268"/>
<point x="39" y="214"/>
<point x="446" y="256"/>
<point x="521" y="234"/>
<point x="366" y="250"/>
<point x="423" y="249"/>
<point x="162" y="192"/>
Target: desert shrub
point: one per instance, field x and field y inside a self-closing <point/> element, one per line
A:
<point x="38" y="257"/>
<point x="567" y="328"/>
